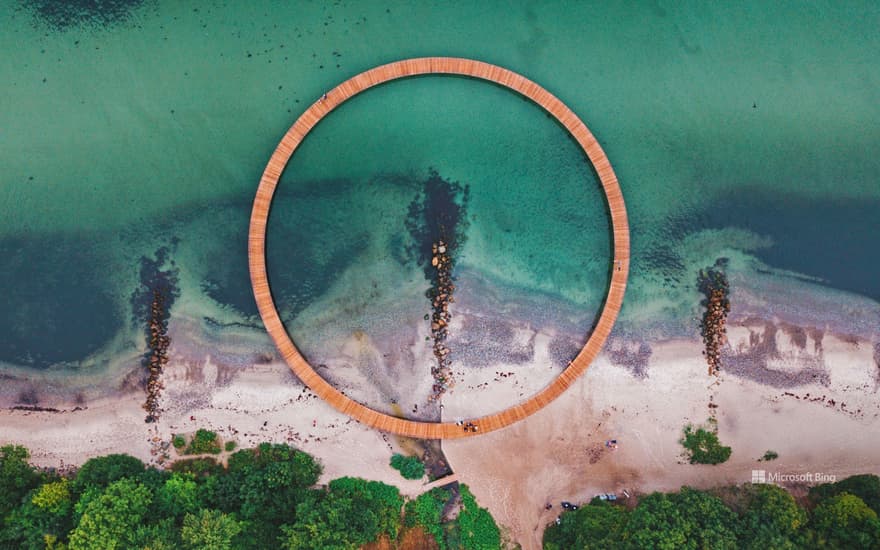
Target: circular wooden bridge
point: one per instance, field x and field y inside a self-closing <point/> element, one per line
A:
<point x="301" y="128"/>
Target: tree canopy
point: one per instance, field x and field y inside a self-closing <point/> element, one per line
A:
<point x="772" y="519"/>
<point x="410" y="467"/>
<point x="594" y="527"/>
<point x="352" y="512"/>
<point x="751" y="517"/>
<point x="845" y="521"/>
<point x="110" y="521"/>
<point x="267" y="497"/>
<point x="17" y="477"/>
<point x="209" y="530"/>
<point x="864" y="486"/>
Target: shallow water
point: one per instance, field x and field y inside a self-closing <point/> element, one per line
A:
<point x="746" y="132"/>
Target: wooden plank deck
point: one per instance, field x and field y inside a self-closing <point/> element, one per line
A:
<point x="298" y="132"/>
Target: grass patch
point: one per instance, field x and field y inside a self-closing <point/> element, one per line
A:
<point x="230" y="446"/>
<point x="769" y="455"/>
<point x="179" y="441"/>
<point x="199" y="467"/>
<point x="205" y="441"/>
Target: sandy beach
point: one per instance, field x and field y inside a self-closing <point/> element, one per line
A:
<point x="828" y="426"/>
<point x="560" y="453"/>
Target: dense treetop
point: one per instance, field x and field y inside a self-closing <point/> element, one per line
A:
<point x="837" y="516"/>
<point x="266" y="497"/>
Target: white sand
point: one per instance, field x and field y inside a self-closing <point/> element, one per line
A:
<point x="236" y="409"/>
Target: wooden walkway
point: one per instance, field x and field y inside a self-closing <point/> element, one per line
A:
<point x="442" y="482"/>
<point x="320" y="109"/>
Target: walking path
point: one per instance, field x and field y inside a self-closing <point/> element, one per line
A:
<point x="442" y="482"/>
<point x="320" y="109"/>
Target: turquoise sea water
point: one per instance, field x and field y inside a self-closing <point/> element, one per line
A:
<point x="747" y="131"/>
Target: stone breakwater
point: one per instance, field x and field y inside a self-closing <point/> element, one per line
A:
<point x="158" y="356"/>
<point x="441" y="296"/>
<point x="714" y="285"/>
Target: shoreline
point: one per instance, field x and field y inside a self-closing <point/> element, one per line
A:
<point x="789" y="382"/>
<point x="559" y="451"/>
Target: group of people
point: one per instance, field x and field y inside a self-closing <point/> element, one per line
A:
<point x="468" y="426"/>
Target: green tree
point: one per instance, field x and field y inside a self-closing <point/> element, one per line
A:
<point x="864" y="486"/>
<point x="102" y="471"/>
<point x="688" y="519"/>
<point x="26" y="528"/>
<point x="162" y="535"/>
<point x="53" y="497"/>
<point x="771" y="520"/>
<point x="44" y="514"/>
<point x="476" y="528"/>
<point x="351" y="513"/>
<point x="209" y="530"/>
<point x="179" y="495"/>
<point x="596" y="526"/>
<point x="263" y="486"/>
<point x="111" y="520"/>
<point x="703" y="446"/>
<point x="845" y="521"/>
<point x="410" y="467"/>
<point x="426" y="511"/>
<point x="17" y="477"/>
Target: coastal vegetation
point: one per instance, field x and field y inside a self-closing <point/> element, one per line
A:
<point x="473" y="528"/>
<point x="204" y="441"/>
<point x="266" y="497"/>
<point x="410" y="467"/>
<point x="769" y="455"/>
<point x="201" y="442"/>
<point x="702" y="445"/>
<point x="751" y="516"/>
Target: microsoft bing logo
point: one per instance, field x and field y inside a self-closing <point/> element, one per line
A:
<point x="761" y="476"/>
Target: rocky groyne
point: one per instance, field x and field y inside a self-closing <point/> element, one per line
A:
<point x="713" y="284"/>
<point x="151" y="308"/>
<point x="437" y="223"/>
<point x="158" y="354"/>
<point x="440" y="293"/>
